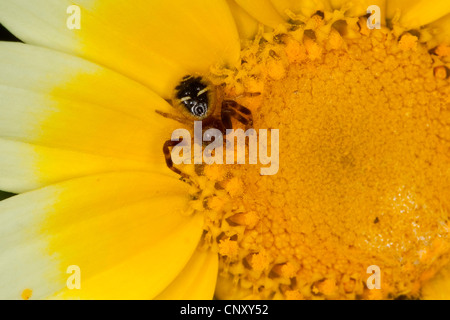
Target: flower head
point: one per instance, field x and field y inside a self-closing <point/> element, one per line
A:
<point x="364" y="148"/>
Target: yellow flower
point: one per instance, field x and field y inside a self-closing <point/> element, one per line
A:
<point x="364" y="151"/>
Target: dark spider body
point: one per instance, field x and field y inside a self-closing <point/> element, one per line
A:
<point x="192" y="93"/>
<point x="196" y="98"/>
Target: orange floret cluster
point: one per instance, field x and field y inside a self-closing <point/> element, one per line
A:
<point x="364" y="173"/>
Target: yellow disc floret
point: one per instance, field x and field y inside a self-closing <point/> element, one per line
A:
<point x="364" y="174"/>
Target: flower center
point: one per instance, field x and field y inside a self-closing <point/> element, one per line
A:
<point x="364" y="126"/>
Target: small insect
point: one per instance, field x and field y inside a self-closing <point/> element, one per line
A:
<point x="197" y="100"/>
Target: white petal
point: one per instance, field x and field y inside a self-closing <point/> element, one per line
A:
<point x="126" y="227"/>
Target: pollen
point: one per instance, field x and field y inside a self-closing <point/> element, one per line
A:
<point x="408" y="42"/>
<point x="364" y="173"/>
<point x="293" y="295"/>
<point x="260" y="261"/>
<point x="228" y="248"/>
<point x="234" y="186"/>
<point x="26" y="294"/>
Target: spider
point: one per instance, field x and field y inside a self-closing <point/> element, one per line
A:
<point x="196" y="98"/>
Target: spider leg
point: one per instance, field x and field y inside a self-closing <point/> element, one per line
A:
<point x="230" y="109"/>
<point x="249" y="94"/>
<point x="226" y="118"/>
<point x="167" y="154"/>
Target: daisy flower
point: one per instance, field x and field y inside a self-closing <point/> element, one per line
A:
<point x="361" y="100"/>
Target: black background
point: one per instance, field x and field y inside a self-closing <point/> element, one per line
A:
<point x="5" y="35"/>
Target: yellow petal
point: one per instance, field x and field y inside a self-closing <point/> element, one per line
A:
<point x="63" y="117"/>
<point x="441" y="30"/>
<point x="154" y="42"/>
<point x="25" y="166"/>
<point x="438" y="288"/>
<point x="358" y="8"/>
<point x="125" y="231"/>
<point x="416" y="13"/>
<point x="246" y="24"/>
<point x="197" y="281"/>
<point x="303" y="7"/>
<point x="337" y="4"/>
<point x="145" y="274"/>
<point x="263" y="11"/>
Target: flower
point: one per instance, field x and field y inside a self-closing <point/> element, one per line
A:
<point x="364" y="151"/>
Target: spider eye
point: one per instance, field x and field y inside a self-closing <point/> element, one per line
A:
<point x="199" y="109"/>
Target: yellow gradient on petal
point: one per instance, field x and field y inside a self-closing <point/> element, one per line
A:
<point x="57" y="74"/>
<point x="100" y="131"/>
<point x="197" y="281"/>
<point x="25" y="166"/>
<point x="304" y="7"/>
<point x="438" y="288"/>
<point x="246" y="24"/>
<point x="147" y="271"/>
<point x="263" y="11"/>
<point x="133" y="227"/>
<point x="441" y="30"/>
<point x="63" y="117"/>
<point x="157" y="42"/>
<point x="123" y="125"/>
<point x="61" y="123"/>
<point x="416" y="13"/>
<point x="337" y="4"/>
<point x="358" y="8"/>
<point x="153" y="42"/>
<point x="120" y="122"/>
